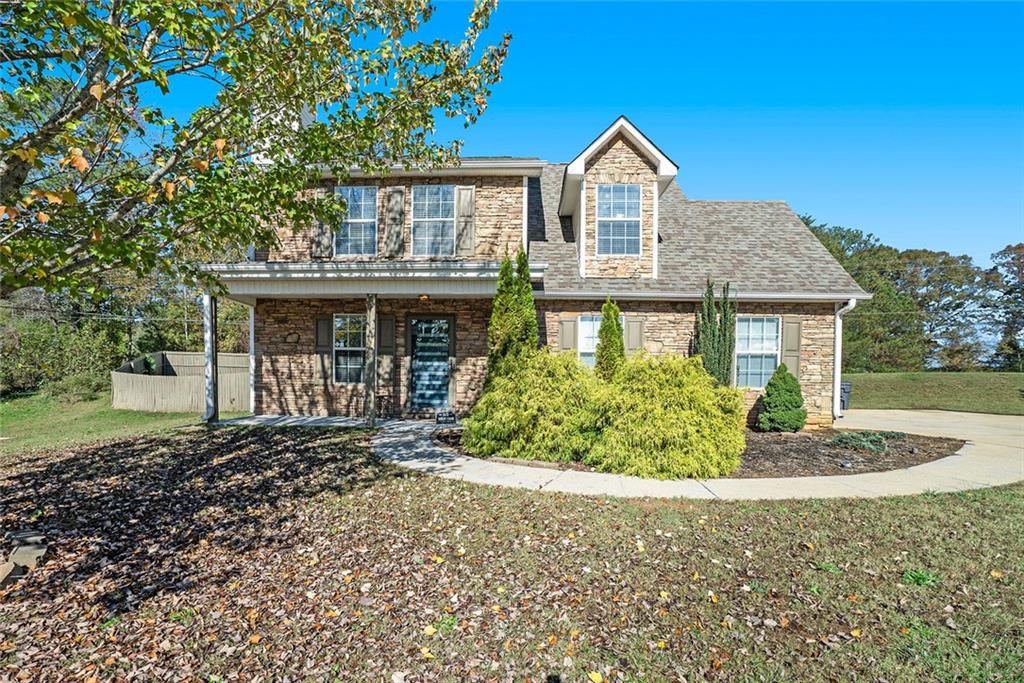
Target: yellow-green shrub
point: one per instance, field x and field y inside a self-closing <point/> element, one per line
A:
<point x="541" y="410"/>
<point x="665" y="417"/>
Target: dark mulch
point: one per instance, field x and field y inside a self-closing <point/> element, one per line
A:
<point x="804" y="454"/>
<point x="809" y="454"/>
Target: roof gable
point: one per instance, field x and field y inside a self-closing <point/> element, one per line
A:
<point x="664" y="167"/>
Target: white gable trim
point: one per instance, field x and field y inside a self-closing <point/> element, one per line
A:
<point x="665" y="168"/>
<point x="664" y="165"/>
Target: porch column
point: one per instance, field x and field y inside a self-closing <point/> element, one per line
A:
<point x="210" y="349"/>
<point x="370" y="371"/>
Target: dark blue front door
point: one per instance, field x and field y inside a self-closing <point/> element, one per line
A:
<point x="431" y="342"/>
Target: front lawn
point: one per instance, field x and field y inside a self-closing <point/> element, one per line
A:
<point x="293" y="553"/>
<point x="40" y="421"/>
<point x="999" y="393"/>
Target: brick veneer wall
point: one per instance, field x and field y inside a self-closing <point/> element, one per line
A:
<point x="619" y="161"/>
<point x="498" y="218"/>
<point x="671" y="326"/>
<point x="285" y="354"/>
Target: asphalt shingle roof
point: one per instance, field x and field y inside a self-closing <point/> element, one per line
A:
<point x="756" y="246"/>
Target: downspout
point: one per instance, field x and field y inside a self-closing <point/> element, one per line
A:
<point x="837" y="358"/>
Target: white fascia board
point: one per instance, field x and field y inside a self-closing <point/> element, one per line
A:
<point x="697" y="295"/>
<point x="247" y="290"/>
<point x="528" y="167"/>
<point x="370" y="270"/>
<point x="665" y="169"/>
<point x="622" y="125"/>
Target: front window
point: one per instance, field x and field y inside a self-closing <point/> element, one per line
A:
<point x="349" y="348"/>
<point x="757" y="350"/>
<point x="433" y="220"/>
<point x="358" y="232"/>
<point x="618" y="220"/>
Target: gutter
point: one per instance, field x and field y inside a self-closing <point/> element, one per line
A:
<point x="697" y="295"/>
<point x="837" y="358"/>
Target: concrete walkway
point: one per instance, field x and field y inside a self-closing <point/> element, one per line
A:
<point x="994" y="455"/>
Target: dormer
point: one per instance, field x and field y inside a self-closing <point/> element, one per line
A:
<point x="611" y="191"/>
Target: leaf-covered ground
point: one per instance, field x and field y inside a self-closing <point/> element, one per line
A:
<point x="265" y="554"/>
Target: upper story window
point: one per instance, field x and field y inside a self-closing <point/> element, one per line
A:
<point x="433" y="220"/>
<point x="618" y="220"/>
<point x="357" y="235"/>
<point x="757" y="349"/>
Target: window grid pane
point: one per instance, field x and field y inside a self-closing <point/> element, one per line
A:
<point x="349" y="348"/>
<point x="757" y="350"/>
<point x="433" y="225"/>
<point x="358" y="232"/>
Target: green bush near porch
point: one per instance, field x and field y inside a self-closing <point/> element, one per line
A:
<point x="541" y="409"/>
<point x="661" y="417"/>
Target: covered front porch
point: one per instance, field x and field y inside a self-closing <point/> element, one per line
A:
<point x="323" y="345"/>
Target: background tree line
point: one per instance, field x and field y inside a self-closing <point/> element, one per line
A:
<point x="68" y="345"/>
<point x="931" y="309"/>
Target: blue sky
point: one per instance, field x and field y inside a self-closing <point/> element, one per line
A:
<point x="902" y="119"/>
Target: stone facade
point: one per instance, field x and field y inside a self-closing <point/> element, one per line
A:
<point x="619" y="162"/>
<point x="670" y="327"/>
<point x="498" y="219"/>
<point x="287" y="381"/>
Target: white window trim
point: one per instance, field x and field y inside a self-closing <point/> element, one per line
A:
<point x="597" y="225"/>
<point x="414" y="220"/>
<point x="376" y="217"/>
<point x="736" y="353"/>
<point x="334" y="348"/>
<point x="599" y="316"/>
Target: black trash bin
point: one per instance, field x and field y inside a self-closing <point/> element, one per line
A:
<point x="844" y="394"/>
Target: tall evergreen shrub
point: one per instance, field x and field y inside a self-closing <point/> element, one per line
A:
<point x="716" y="333"/>
<point x="610" y="350"/>
<point x="513" y="329"/>
<point x="783" y="403"/>
<point x="530" y="332"/>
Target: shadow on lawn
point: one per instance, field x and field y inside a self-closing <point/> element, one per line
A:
<point x="122" y="518"/>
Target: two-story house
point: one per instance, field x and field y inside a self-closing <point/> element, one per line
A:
<point x="390" y="308"/>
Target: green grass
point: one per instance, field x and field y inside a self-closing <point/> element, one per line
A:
<point x="1000" y="393"/>
<point x="41" y="421"/>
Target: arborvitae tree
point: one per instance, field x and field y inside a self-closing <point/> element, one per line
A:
<point x="513" y="328"/>
<point x="611" y="351"/>
<point x="783" y="404"/>
<point x="500" y="327"/>
<point x="716" y="333"/>
<point x="530" y="329"/>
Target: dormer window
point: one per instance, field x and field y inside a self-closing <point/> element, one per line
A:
<point x="618" y="220"/>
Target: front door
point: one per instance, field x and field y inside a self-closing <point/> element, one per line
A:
<point x="430" y="339"/>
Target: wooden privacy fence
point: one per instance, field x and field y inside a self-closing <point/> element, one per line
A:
<point x="174" y="382"/>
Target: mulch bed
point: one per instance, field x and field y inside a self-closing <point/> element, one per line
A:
<point x="804" y="454"/>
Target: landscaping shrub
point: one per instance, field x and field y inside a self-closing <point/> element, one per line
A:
<point x="872" y="442"/>
<point x="512" y="330"/>
<point x="716" y="333"/>
<point x="541" y="410"/>
<point x="666" y="417"/>
<point x="611" y="350"/>
<point x="783" y="403"/>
